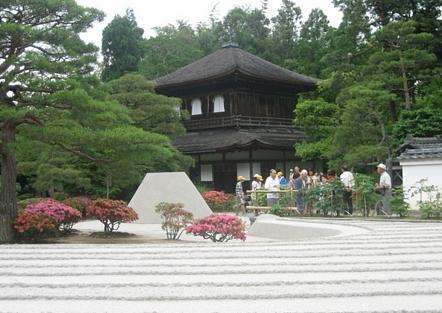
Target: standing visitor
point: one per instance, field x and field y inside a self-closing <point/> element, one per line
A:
<point x="312" y="182"/>
<point x="282" y="180"/>
<point x="312" y="179"/>
<point x="240" y="196"/>
<point x="348" y="181"/>
<point x="257" y="182"/>
<point x="272" y="184"/>
<point x="300" y="187"/>
<point x="384" y="188"/>
<point x="293" y="180"/>
<point x="256" y="185"/>
<point x="321" y="178"/>
<point x="331" y="176"/>
<point x="296" y="171"/>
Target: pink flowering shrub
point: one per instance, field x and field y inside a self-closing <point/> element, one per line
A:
<point x="111" y="213"/>
<point x="35" y="225"/>
<point x="64" y="215"/>
<point x="219" y="228"/>
<point x="22" y="204"/>
<point x="174" y="219"/>
<point x="81" y="203"/>
<point x="219" y="201"/>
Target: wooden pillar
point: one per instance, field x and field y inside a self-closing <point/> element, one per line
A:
<point x="267" y="106"/>
<point x="198" y="166"/>
<point x="235" y="104"/>
<point x="284" y="162"/>
<point x="251" y="167"/>
<point x="208" y="106"/>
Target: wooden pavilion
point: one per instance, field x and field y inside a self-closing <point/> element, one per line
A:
<point x="241" y="110"/>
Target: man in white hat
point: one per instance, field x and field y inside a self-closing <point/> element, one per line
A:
<point x="385" y="187"/>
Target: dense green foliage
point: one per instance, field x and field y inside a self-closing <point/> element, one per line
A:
<point x="64" y="131"/>
<point x="380" y="69"/>
<point x="40" y="52"/>
<point x="123" y="55"/>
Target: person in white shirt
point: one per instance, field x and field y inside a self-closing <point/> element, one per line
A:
<point x="272" y="184"/>
<point x="257" y="182"/>
<point x="384" y="187"/>
<point x="348" y="181"/>
<point x="256" y="185"/>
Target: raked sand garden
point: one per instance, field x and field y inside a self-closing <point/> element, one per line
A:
<point x="334" y="265"/>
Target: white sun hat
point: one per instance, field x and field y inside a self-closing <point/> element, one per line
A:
<point x="382" y="166"/>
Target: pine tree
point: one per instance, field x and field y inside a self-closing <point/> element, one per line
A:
<point x="40" y="50"/>
<point x="402" y="59"/>
<point x="121" y="46"/>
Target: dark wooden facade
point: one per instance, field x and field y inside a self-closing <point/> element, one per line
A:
<point x="250" y="103"/>
<point x="254" y="133"/>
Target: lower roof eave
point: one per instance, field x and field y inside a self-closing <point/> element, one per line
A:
<point x="254" y="145"/>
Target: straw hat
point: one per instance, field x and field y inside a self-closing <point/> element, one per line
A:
<point x="241" y="178"/>
<point x="258" y="177"/>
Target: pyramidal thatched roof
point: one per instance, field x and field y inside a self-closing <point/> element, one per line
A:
<point x="229" y="60"/>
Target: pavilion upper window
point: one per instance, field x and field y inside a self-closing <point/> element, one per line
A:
<point x="197" y="107"/>
<point x="218" y="104"/>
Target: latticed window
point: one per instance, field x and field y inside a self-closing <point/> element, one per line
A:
<point x="196" y="107"/>
<point x="218" y="104"/>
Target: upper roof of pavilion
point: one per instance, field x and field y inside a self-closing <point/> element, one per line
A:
<point x="231" y="60"/>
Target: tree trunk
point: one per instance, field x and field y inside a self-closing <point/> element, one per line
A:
<point x="405" y="84"/>
<point x="108" y="185"/>
<point x="380" y="11"/>
<point x="8" y="196"/>
<point x="393" y="111"/>
<point x="51" y="191"/>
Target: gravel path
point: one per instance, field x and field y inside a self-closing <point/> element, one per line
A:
<point x="386" y="267"/>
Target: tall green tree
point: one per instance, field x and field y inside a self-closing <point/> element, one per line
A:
<point x="402" y="58"/>
<point x="286" y="29"/>
<point x="364" y="131"/>
<point x="318" y="119"/>
<point x="121" y="46"/>
<point x="313" y="45"/>
<point x="40" y="49"/>
<point x="348" y="44"/>
<point x="249" y="28"/>
<point x="50" y="169"/>
<point x="104" y="145"/>
<point x="148" y="110"/>
<point x="172" y="47"/>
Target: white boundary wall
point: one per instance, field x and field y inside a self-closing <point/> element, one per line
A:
<point x="427" y="171"/>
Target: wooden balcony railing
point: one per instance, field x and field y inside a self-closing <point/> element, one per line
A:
<point x="237" y="121"/>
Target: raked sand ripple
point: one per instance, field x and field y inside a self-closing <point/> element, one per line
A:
<point x="386" y="267"/>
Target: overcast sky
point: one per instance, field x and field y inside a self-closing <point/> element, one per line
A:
<point x="152" y="13"/>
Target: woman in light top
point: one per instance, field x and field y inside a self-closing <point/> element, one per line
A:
<point x="257" y="182"/>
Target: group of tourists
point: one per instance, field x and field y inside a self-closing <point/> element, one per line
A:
<point x="302" y="180"/>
